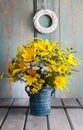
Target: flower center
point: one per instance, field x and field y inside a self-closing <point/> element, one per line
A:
<point x="32" y="73"/>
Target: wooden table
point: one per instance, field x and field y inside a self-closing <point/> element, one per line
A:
<point x="66" y="114"/>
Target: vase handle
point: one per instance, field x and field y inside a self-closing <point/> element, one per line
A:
<point x="27" y="91"/>
<point x="52" y="92"/>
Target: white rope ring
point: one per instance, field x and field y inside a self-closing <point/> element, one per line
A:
<point x="53" y="17"/>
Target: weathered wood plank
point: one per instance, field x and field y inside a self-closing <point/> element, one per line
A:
<point x="58" y="120"/>
<point x="45" y="20"/>
<point x="6" y="102"/>
<point x="71" y="30"/>
<point x="23" y="102"/>
<point x="81" y="101"/>
<point x="3" y="113"/>
<point x="66" y="32"/>
<point x="36" y="123"/>
<point x="70" y="102"/>
<point x="76" y="118"/>
<point x="66" y="15"/>
<point x="77" y="6"/>
<point x="15" y="120"/>
<point x="56" y="102"/>
<point x="54" y="5"/>
<point x="16" y="27"/>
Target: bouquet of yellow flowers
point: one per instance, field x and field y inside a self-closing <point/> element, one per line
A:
<point x="42" y="63"/>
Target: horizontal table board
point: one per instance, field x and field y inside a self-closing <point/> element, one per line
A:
<point x="15" y="117"/>
<point x="15" y="120"/>
<point x="21" y="102"/>
<point x="6" y="102"/>
<point x="81" y="101"/>
<point x="58" y="120"/>
<point x="70" y="102"/>
<point x="56" y="102"/>
<point x="36" y="122"/>
<point x="76" y="118"/>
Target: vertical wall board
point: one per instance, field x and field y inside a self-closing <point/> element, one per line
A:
<point x="66" y="33"/>
<point x="71" y="30"/>
<point x="5" y="88"/>
<point x="77" y="6"/>
<point x="2" y="47"/>
<point x="54" y="4"/>
<point x="15" y="29"/>
<point x="45" y="21"/>
<point x="65" y="30"/>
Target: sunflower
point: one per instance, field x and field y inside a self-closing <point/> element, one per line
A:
<point x="60" y="83"/>
<point x="31" y="76"/>
<point x="28" y="54"/>
<point x="63" y="68"/>
<point x="44" y="47"/>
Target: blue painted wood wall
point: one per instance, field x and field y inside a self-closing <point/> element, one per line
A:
<point x="16" y="27"/>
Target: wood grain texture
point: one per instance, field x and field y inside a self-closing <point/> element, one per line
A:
<point x="45" y="21"/>
<point x="81" y="101"/>
<point x="6" y="102"/>
<point x="54" y="5"/>
<point x="56" y="102"/>
<point x="3" y="113"/>
<point x="36" y="122"/>
<point x="16" y="27"/>
<point x="76" y="118"/>
<point x="71" y="30"/>
<point x="58" y="120"/>
<point x="65" y="33"/>
<point x="77" y="7"/>
<point x="15" y="120"/>
<point x="21" y="102"/>
<point x="70" y="102"/>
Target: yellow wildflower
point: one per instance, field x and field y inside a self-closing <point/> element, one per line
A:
<point x="28" y="54"/>
<point x="52" y="66"/>
<point x="19" y="50"/>
<point x="37" y="86"/>
<point x="14" y="79"/>
<point x="60" y="83"/>
<point x="2" y="76"/>
<point x="44" y="47"/>
<point x="72" y="60"/>
<point x="22" y="66"/>
<point x="63" y="68"/>
<point x="31" y="77"/>
<point x="15" y="71"/>
<point x="41" y="62"/>
<point x="34" y="90"/>
<point x="11" y="67"/>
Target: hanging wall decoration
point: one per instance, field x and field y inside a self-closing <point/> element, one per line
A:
<point x="49" y="13"/>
